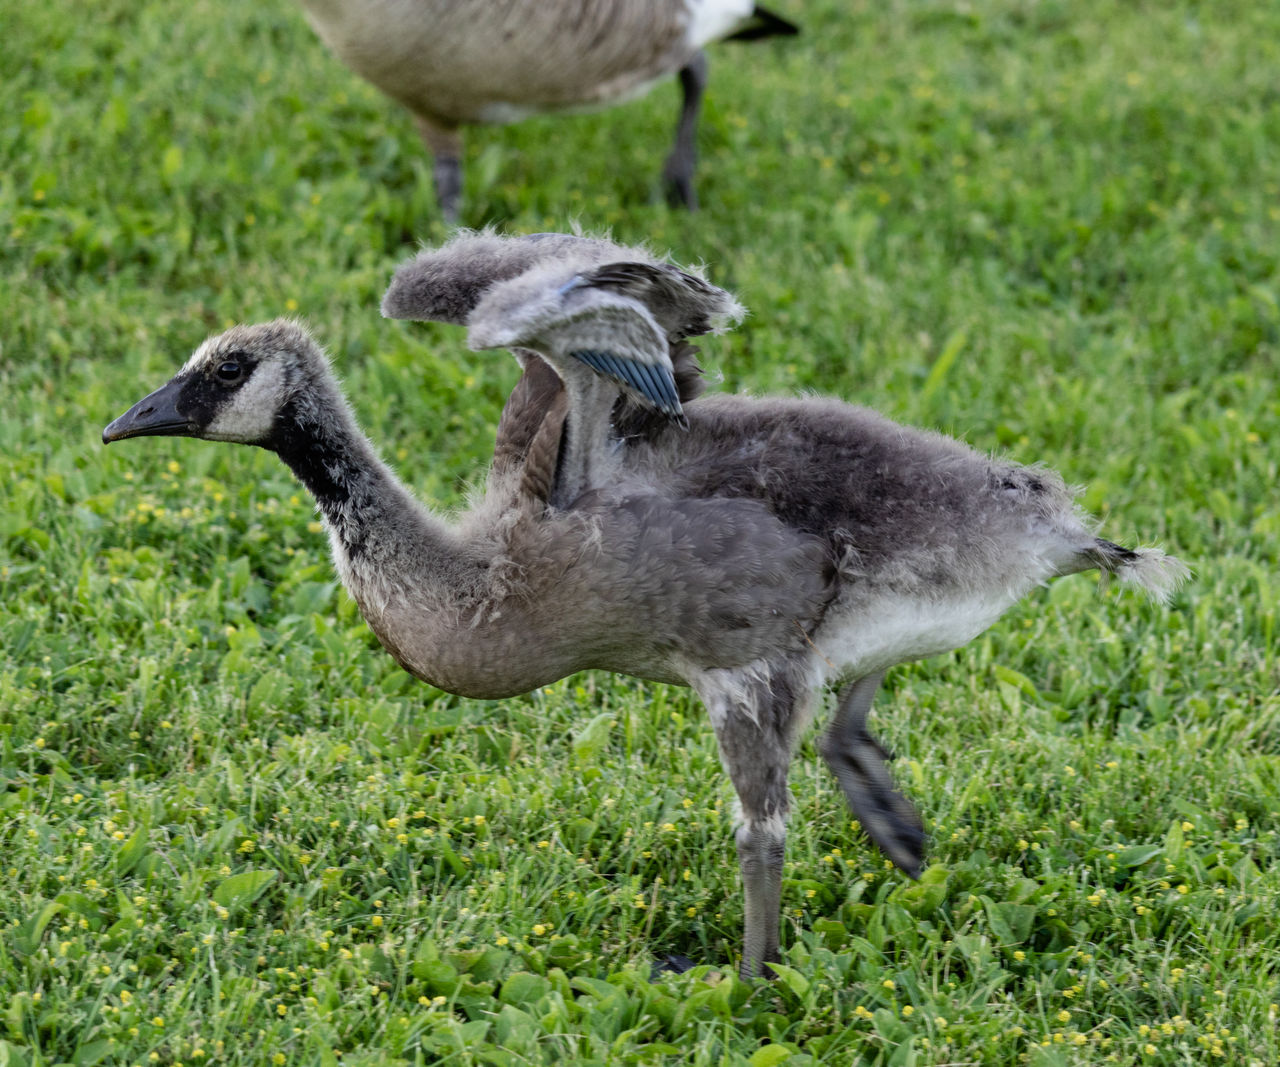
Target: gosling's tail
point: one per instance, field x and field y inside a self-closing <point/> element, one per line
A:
<point x="1154" y="572"/>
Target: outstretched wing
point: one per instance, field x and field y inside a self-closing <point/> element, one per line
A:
<point x="574" y="309"/>
<point x="576" y="325"/>
<point x="448" y="284"/>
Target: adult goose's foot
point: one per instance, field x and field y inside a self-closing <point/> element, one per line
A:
<point x="670" y="963"/>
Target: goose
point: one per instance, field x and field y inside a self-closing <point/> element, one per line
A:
<point x="755" y="549"/>
<point x="454" y="63"/>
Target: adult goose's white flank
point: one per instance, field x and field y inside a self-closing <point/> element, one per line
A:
<point x="754" y="549"/>
<point x="455" y="63"/>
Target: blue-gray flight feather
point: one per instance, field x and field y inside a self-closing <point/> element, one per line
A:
<point x="654" y="383"/>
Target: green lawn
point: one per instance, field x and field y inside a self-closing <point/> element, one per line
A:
<point x="235" y="832"/>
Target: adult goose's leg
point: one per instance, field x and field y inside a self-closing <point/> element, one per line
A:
<point x="859" y="763"/>
<point x="677" y="174"/>
<point x="445" y="146"/>
<point x="756" y="750"/>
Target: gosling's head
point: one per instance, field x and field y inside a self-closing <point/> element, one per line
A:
<point x="252" y="385"/>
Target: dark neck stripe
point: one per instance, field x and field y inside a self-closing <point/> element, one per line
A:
<point x="327" y="460"/>
<point x="330" y="456"/>
<point x="313" y="454"/>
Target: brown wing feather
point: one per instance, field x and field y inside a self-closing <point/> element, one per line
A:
<point x="542" y="461"/>
<point x="682" y="302"/>
<point x="536" y="396"/>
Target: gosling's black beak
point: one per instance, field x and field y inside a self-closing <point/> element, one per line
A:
<point x="152" y="416"/>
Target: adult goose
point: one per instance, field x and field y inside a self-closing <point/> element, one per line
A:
<point x="455" y="63"/>
<point x="754" y="549"/>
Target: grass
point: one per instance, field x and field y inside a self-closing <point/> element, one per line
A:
<point x="234" y="832"/>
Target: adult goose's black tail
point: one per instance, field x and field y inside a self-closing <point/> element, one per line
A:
<point x="764" y="23"/>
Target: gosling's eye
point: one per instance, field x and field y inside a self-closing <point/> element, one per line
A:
<point x="229" y="370"/>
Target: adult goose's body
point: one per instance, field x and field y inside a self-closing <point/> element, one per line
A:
<point x="463" y="62"/>
<point x="752" y="549"/>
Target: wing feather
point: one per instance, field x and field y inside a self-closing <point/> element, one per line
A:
<point x="571" y="322"/>
<point x="655" y="384"/>
<point x="584" y="306"/>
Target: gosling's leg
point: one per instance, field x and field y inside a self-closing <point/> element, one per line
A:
<point x="762" y="845"/>
<point x="445" y="145"/>
<point x="677" y="173"/>
<point x="756" y="753"/>
<point x="859" y="763"/>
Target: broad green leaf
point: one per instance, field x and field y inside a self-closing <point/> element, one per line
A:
<point x="833" y="932"/>
<point x="721" y="999"/>
<point x="1136" y="855"/>
<point x="93" y="1052"/>
<point x="904" y="1055"/>
<point x="524" y="989"/>
<point x="440" y="977"/>
<point x="889" y="1026"/>
<point x="12" y="1055"/>
<point x="596" y="987"/>
<point x="515" y="1027"/>
<point x="1010" y="923"/>
<point x="791" y="978"/>
<point x="1016" y="679"/>
<point x="243" y="888"/>
<point x="769" y="1056"/>
<point x="483" y="964"/>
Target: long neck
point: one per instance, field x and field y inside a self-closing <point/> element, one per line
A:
<point x="588" y="453"/>
<point x="379" y="532"/>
